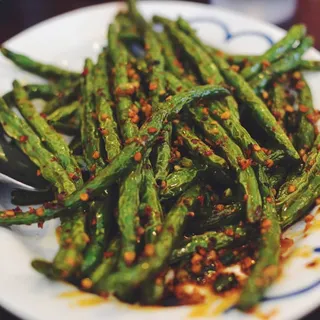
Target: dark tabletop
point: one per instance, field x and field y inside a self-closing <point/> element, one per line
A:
<point x="17" y="15"/>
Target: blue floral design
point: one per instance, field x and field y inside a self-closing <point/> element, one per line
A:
<point x="228" y="34"/>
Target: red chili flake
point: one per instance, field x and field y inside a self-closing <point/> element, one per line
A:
<point x="10" y="213"/>
<point x="256" y="147"/>
<point x="229" y="232"/>
<point x="266" y="63"/>
<point x="219" y="207"/>
<point x="244" y="163"/>
<point x="152" y="130"/>
<point x="85" y="72"/>
<point x="86" y="283"/>
<point x="40" y="224"/>
<point x="196" y="258"/>
<point x="43" y="115"/>
<point x="292" y="188"/>
<point x="269" y="163"/>
<point x="208" y="153"/>
<point x="96" y="155"/>
<point x="266" y="224"/>
<point x="38" y="173"/>
<point x="245" y="197"/>
<point x="84" y="197"/>
<point x="303" y="108"/>
<point x="32" y="210"/>
<point x="289" y="108"/>
<point x="153" y="86"/>
<point x="93" y="168"/>
<point x="269" y="199"/>
<point x="40" y="212"/>
<point x="300" y="85"/>
<point x="138" y="157"/>
<point x="312" y="118"/>
<point x="308" y="218"/>
<point x="108" y="254"/>
<point x="205" y="111"/>
<point x="135" y="119"/>
<point x="235" y="68"/>
<point x="201" y="200"/>
<point x="129" y="257"/>
<point x="149" y="250"/>
<point x="23" y="139"/>
<point x="265" y="94"/>
<point x="147" y="210"/>
<point x="104" y="132"/>
<point x="220" y="53"/>
<point x="296" y="75"/>
<point x="61" y="196"/>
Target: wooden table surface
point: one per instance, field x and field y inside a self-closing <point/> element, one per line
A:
<point x="17" y="15"/>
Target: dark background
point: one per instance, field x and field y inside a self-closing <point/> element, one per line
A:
<point x="17" y="15"/>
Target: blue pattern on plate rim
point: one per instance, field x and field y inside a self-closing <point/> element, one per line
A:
<point x="229" y="36"/>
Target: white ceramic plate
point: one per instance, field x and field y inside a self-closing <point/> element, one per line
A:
<point x="66" y="41"/>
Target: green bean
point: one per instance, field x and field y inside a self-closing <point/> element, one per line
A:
<point x="150" y="207"/>
<point x="286" y="64"/>
<point x="309" y="65"/>
<point x="172" y="64"/>
<point x="122" y="283"/>
<point x="293" y="211"/>
<point x="136" y="16"/>
<point x="16" y="165"/>
<point x="214" y="240"/>
<point x="89" y="134"/>
<point x="63" y="97"/>
<point x="128" y="219"/>
<point x="43" y="70"/>
<point x="31" y="145"/>
<point x="64" y="112"/>
<point x="150" y="204"/>
<point x="197" y="147"/>
<point x="119" y="60"/>
<point x="278" y="50"/>
<point x="305" y="135"/>
<point x="108" y="126"/>
<point x="107" y="266"/>
<point x="207" y="69"/>
<point x="124" y="162"/>
<point x="68" y="129"/>
<point x="279" y="102"/>
<point x="35" y="91"/>
<point x="237" y="132"/>
<point x="94" y="251"/>
<point x="216" y="216"/>
<point x="70" y="255"/>
<point x="177" y="182"/>
<point x="216" y="134"/>
<point x="55" y="143"/>
<point x="277" y="177"/>
<point x="258" y="109"/>
<point x="163" y="154"/>
<point x="295" y="183"/>
<point x="204" y="57"/>
<point x="266" y="268"/>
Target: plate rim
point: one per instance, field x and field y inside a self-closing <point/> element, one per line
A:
<point x="11" y="307"/>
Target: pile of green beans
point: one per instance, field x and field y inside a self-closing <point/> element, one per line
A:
<point x="183" y="159"/>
